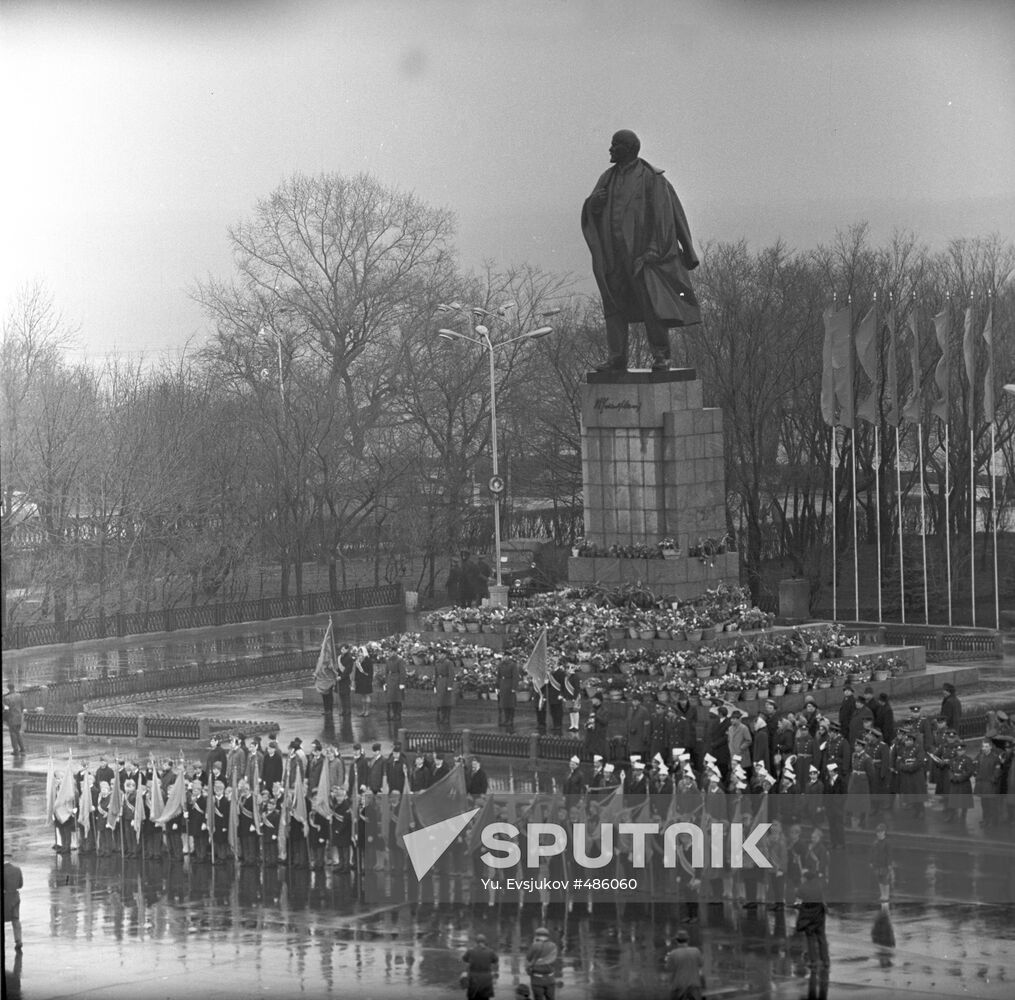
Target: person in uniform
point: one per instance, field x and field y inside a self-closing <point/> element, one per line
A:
<point x="541" y="965"/>
<point x="376" y="769"/>
<point x="341" y="829"/>
<point x="910" y="765"/>
<point x="396" y="677"/>
<point x="597" y="729"/>
<point x="359" y="770"/>
<point x="960" y="787"/>
<point x="444" y="688"/>
<point x="574" y="784"/>
<point x="476" y="782"/>
<point x="507" y="692"/>
<point x="988" y="783"/>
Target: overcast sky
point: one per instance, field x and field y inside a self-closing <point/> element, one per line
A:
<point x="135" y="133"/>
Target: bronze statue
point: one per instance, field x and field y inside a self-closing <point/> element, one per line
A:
<point x="641" y="254"/>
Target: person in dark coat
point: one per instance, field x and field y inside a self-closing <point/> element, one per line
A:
<point x="847" y="709"/>
<point x="574" y="783"/>
<point x="685" y="733"/>
<point x="507" y="691"/>
<point x="395" y="679"/>
<point x="597" y="729"/>
<point x="444" y="688"/>
<point x="376" y="769"/>
<point x="453" y="584"/>
<point x="858" y="723"/>
<point x="14" y="716"/>
<point x="481" y="967"/>
<point x="911" y="782"/>
<point x="951" y="708"/>
<point x="988" y="783"/>
<point x="271" y="767"/>
<point x="363" y="678"/>
<point x="346" y="668"/>
<point x="476" y="781"/>
<point x="397" y="770"/>
<point x="639" y="728"/>
<point x="642" y="253"/>
<point x="884" y="717"/>
<point x="960" y="790"/>
<point x="556" y="696"/>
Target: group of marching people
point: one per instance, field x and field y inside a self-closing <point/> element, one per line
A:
<point x="249" y="803"/>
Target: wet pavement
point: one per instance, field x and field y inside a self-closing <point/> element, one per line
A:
<point x="164" y="650"/>
<point x="105" y="927"/>
<point x="102" y="927"/>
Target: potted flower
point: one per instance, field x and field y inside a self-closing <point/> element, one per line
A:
<point x="777" y="684"/>
<point x="795" y="681"/>
<point x="668" y="548"/>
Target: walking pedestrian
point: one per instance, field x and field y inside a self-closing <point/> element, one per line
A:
<point x="480" y="970"/>
<point x="541" y="965"/>
<point x="881" y="862"/>
<point x="811" y="914"/>
<point x="13" y="882"/>
<point x="686" y="967"/>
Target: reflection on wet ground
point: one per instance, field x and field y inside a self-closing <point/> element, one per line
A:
<point x="49" y="664"/>
<point x="108" y="928"/>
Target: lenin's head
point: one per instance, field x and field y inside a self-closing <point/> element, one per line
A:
<point x="624" y="146"/>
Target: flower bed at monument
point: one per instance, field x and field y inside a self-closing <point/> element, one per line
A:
<point x="751" y="662"/>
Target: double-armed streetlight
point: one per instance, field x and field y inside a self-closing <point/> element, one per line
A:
<point x="478" y="319"/>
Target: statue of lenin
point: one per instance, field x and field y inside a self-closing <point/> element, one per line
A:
<point x="641" y="254"/>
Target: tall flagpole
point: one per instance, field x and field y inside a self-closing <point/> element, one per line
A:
<point x="923" y="524"/>
<point x="993" y="511"/>
<point x="877" y="501"/>
<point x="835" y="537"/>
<point x="948" y="524"/>
<point x="856" y="537"/>
<point x="972" y="523"/>
<point x="898" y="503"/>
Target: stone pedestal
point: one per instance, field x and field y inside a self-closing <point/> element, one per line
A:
<point x="652" y="467"/>
<point x="498" y="596"/>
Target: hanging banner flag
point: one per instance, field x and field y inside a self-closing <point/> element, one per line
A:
<point x="969" y="356"/>
<point x="989" y="407"/>
<point x="893" y="413"/>
<point x="827" y="378"/>
<point x="913" y="410"/>
<point x="843" y="364"/>
<point x="942" y="374"/>
<point x="867" y="354"/>
<point x="536" y="667"/>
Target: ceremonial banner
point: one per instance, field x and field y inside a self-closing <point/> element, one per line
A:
<point x="942" y="374"/>
<point x="867" y="354"/>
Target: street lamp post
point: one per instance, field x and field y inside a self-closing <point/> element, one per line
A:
<point x="484" y="340"/>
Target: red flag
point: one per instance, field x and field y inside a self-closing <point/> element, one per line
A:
<point x="403" y="823"/>
<point x="139" y="811"/>
<point x="322" y="801"/>
<point x="442" y="800"/>
<point x="64" y="798"/>
<point x="988" y="379"/>
<point x="969" y="356"/>
<point x="843" y="364"/>
<point x="299" y="806"/>
<point x="327" y="658"/>
<point x="115" y="804"/>
<point x="827" y="377"/>
<point x="536" y="667"/>
<point x="913" y="410"/>
<point x="867" y="354"/>
<point x="894" y="412"/>
<point x="174" y="801"/>
<point x="50" y="791"/>
<point x="487" y="814"/>
<point x="942" y="374"/>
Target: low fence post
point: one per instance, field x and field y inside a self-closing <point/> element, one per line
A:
<point x="204" y="729"/>
<point x="81" y="725"/>
<point x="534" y="747"/>
<point x="402" y="741"/>
<point x="142" y="728"/>
<point x="466" y="742"/>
